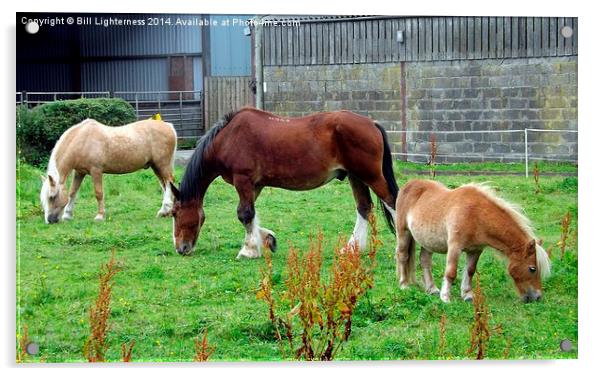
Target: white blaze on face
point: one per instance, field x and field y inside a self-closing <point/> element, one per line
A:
<point x="44" y="198"/>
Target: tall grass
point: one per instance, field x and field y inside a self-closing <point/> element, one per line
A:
<point x="480" y="332"/>
<point x="96" y="345"/>
<point x="318" y="317"/>
<point x="202" y="349"/>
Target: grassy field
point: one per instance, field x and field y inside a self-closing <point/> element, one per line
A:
<point x="164" y="301"/>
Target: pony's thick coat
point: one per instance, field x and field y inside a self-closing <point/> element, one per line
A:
<point x="467" y="219"/>
<point x="91" y="148"/>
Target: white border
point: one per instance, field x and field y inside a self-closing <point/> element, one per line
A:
<point x="590" y="314"/>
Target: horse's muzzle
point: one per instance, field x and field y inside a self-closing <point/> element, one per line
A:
<point x="185" y="248"/>
<point x="52" y="218"/>
<point x="532" y="296"/>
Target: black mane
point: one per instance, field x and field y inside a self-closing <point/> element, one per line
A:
<point x="190" y="185"/>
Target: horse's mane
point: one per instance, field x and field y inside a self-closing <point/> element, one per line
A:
<point x="52" y="169"/>
<point x="517" y="214"/>
<point x="190" y="184"/>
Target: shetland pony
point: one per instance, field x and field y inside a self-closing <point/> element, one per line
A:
<point x="91" y="148"/>
<point x="252" y="149"/>
<point x="467" y="219"/>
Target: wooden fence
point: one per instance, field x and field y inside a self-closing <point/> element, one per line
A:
<point x="391" y="39"/>
<point x="224" y="94"/>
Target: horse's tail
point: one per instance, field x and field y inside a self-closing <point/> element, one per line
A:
<point x="387" y="168"/>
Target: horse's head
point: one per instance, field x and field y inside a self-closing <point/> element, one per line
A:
<point x="54" y="198"/>
<point x="528" y="267"/>
<point x="188" y="217"/>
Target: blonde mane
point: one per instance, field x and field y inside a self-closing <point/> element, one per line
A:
<point x="52" y="169"/>
<point x="516" y="212"/>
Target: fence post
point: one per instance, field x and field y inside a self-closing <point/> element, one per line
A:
<point x="526" y="153"/>
<point x="24" y="98"/>
<point x="136" y="100"/>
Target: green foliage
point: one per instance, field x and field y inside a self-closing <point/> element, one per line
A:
<point x="164" y="301"/>
<point x="39" y="128"/>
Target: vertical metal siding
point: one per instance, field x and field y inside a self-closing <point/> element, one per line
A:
<point x="230" y="48"/>
<point x="198" y="76"/>
<point x="41" y="77"/>
<point x="129" y="41"/>
<point x="424" y="39"/>
<point x="149" y="74"/>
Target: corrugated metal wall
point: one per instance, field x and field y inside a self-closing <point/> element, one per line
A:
<point x="126" y="58"/>
<point x="58" y="76"/>
<point x="148" y="74"/>
<point x="132" y="41"/>
<point x="98" y="58"/>
<point x="230" y="48"/>
<point x="375" y="39"/>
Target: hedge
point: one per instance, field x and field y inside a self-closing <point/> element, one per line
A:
<point x="39" y="128"/>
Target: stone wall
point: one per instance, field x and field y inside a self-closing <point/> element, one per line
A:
<point x="467" y="95"/>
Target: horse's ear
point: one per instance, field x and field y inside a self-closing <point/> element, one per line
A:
<point x="540" y="242"/>
<point x="51" y="181"/>
<point x="174" y="190"/>
<point x="531" y="247"/>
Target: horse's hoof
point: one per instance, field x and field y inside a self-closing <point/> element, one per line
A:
<point x="468" y="297"/>
<point x="404" y="285"/>
<point x="99" y="218"/>
<point x="270" y="242"/>
<point x="445" y="298"/>
<point x="248" y="253"/>
<point x="433" y="291"/>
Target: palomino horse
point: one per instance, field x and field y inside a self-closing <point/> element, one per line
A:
<point x="91" y="148"/>
<point x="467" y="219"/>
<point x="252" y="149"/>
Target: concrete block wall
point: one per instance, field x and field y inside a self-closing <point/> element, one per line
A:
<point x="492" y="94"/>
<point x="467" y="95"/>
<point x="368" y="89"/>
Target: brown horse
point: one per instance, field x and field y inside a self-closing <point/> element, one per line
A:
<point x="252" y="149"/>
<point x="91" y="148"/>
<point x="467" y="219"/>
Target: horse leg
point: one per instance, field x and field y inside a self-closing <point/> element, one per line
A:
<point x="404" y="257"/>
<point x="97" y="180"/>
<point x="77" y="181"/>
<point x="246" y="215"/>
<point x="363" y="202"/>
<point x="451" y="267"/>
<point x="165" y="176"/>
<point x="268" y="237"/>
<point x="471" y="267"/>
<point x="426" y="262"/>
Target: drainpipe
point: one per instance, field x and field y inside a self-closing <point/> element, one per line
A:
<point x="258" y="57"/>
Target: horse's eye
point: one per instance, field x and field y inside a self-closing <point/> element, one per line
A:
<point x="532" y="269"/>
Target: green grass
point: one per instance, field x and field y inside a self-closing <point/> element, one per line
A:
<point x="492" y="167"/>
<point x="164" y="301"/>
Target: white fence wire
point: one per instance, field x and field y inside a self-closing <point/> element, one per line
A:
<point x="526" y="156"/>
